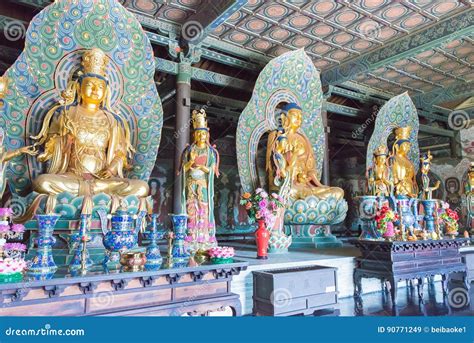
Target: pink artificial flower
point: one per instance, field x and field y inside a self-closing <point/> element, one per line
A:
<point x="14" y="247"/>
<point x="18" y="228"/>
<point x="189" y="238"/>
<point x="262" y="203"/>
<point x="264" y="194"/>
<point x="5" y="211"/>
<point x="274" y="195"/>
<point x="4" y="228"/>
<point x="259" y="190"/>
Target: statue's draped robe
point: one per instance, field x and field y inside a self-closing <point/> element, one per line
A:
<point x="197" y="200"/>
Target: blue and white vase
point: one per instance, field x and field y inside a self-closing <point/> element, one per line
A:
<point x="407" y="210"/>
<point x="153" y="255"/>
<point x="180" y="224"/>
<point x="43" y="263"/>
<point x="119" y="238"/>
<point x="366" y="206"/>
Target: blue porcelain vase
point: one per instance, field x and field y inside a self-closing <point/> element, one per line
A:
<point x="119" y="238"/>
<point x="366" y="206"/>
<point x="429" y="207"/>
<point x="81" y="259"/>
<point x="153" y="255"/>
<point x="180" y="224"/>
<point x="43" y="263"/>
<point x="407" y="209"/>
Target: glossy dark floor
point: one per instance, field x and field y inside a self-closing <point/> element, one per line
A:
<point x="458" y="302"/>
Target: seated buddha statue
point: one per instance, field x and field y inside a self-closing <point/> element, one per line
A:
<point x="300" y="162"/>
<point x="86" y="145"/>
<point x="403" y="170"/>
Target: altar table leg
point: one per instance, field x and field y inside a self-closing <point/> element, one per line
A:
<point x="420" y="288"/>
<point x="445" y="279"/>
<point x="393" y="290"/>
<point x="357" y="284"/>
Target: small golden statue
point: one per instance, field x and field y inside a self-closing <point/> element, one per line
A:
<point x="87" y="146"/>
<point x="470" y="181"/>
<point x="200" y="163"/>
<point x="427" y="191"/>
<point x="403" y="170"/>
<point x="3" y="88"/>
<point x="294" y="155"/>
<point x="378" y="176"/>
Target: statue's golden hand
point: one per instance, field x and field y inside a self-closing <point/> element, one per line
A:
<point x="30" y="150"/>
<point x="105" y="174"/>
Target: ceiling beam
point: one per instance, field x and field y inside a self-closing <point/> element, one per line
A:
<point x="207" y="18"/>
<point x="433" y="36"/>
<point x="436" y="131"/>
<point x="454" y="92"/>
<point x="345" y="110"/>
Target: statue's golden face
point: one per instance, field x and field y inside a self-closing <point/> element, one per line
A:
<point x="93" y="90"/>
<point x="200" y="136"/>
<point x="381" y="159"/>
<point x="404" y="148"/>
<point x="294" y="118"/>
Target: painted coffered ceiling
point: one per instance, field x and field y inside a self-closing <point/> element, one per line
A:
<point x="334" y="33"/>
<point x="424" y="47"/>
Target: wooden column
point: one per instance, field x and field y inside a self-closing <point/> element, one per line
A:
<point x="182" y="127"/>
<point x="325" y="175"/>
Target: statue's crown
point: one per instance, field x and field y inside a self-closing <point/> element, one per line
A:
<point x="199" y="120"/>
<point x="402" y="133"/>
<point x="94" y="61"/>
<point x="381" y="151"/>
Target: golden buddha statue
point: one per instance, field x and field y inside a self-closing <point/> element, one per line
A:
<point x="379" y="182"/>
<point x="427" y="191"/>
<point x="298" y="154"/>
<point x="403" y="170"/>
<point x="86" y="145"/>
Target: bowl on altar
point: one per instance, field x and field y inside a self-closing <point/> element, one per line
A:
<point x="221" y="255"/>
<point x="133" y="261"/>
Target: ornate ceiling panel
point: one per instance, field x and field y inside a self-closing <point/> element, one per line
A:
<point x="334" y="32"/>
<point x="450" y="64"/>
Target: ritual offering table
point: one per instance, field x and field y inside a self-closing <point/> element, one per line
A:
<point x="169" y="291"/>
<point x="400" y="260"/>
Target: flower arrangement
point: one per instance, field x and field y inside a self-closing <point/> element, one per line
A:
<point x="221" y="254"/>
<point x="385" y="217"/>
<point x="261" y="206"/>
<point x="12" y="254"/>
<point x="449" y="218"/>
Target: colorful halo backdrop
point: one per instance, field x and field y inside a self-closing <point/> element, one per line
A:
<point x="54" y="43"/>
<point x="291" y="77"/>
<point x="399" y="111"/>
